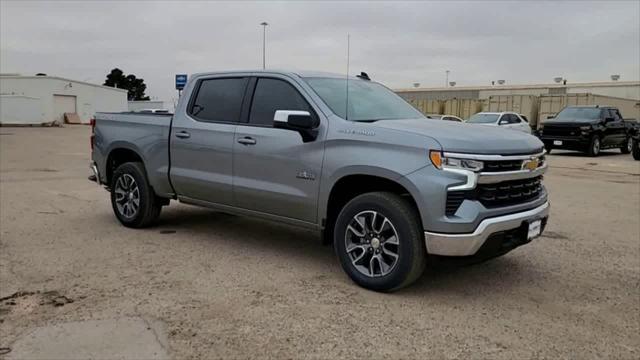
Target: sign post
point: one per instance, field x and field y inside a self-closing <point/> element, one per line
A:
<point x="181" y="82"/>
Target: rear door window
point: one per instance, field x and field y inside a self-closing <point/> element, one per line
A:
<point x="219" y="99"/>
<point x="271" y="95"/>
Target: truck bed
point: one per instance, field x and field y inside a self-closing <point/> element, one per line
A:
<point x="146" y="134"/>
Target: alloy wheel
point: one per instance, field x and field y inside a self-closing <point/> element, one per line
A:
<point x="372" y="243"/>
<point x="127" y="196"/>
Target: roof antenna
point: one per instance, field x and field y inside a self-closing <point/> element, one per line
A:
<point x="346" y="112"/>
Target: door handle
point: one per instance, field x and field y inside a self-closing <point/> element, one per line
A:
<point x="183" y="135"/>
<point x="247" y="141"/>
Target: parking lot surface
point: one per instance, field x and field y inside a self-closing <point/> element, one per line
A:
<point x="206" y="284"/>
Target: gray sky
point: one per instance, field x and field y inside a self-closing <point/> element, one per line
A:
<point x="397" y="43"/>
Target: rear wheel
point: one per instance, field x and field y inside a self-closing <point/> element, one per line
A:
<point x="132" y="199"/>
<point x="379" y="241"/>
<point x="636" y="149"/>
<point x="594" y="146"/>
<point x="627" y="146"/>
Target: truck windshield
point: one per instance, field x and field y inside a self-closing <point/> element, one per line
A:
<point x="577" y="113"/>
<point x="483" y="118"/>
<point x="368" y="101"/>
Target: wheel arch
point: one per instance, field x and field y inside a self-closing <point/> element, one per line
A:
<point x="349" y="185"/>
<point x="119" y="154"/>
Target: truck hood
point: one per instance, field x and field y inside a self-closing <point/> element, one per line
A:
<point x="468" y="138"/>
<point x="570" y="122"/>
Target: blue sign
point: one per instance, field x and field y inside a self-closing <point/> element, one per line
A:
<point x="181" y="81"/>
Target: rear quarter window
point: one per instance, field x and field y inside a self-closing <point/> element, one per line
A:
<point x="218" y="99"/>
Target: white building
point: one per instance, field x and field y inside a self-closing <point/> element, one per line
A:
<point x="620" y="89"/>
<point x="44" y="99"/>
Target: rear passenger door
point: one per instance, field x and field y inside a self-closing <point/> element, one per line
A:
<point x="274" y="171"/>
<point x="202" y="140"/>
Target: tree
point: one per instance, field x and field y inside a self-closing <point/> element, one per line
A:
<point x="135" y="86"/>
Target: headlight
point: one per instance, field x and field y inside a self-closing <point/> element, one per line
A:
<point x="440" y="161"/>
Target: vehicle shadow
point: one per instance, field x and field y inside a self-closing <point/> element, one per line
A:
<point x="303" y="248"/>
<point x="256" y="237"/>
<point x="568" y="153"/>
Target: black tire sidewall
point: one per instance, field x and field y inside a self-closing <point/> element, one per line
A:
<point x="591" y="145"/>
<point x="625" y="146"/>
<point x="146" y="207"/>
<point x="408" y="231"/>
<point x="636" y="149"/>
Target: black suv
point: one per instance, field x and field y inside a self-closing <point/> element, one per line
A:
<point x="588" y="129"/>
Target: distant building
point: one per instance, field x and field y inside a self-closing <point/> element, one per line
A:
<point x="620" y="89"/>
<point x="45" y="99"/>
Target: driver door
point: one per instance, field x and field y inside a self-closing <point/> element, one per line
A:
<point x="274" y="170"/>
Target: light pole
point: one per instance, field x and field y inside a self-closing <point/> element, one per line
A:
<point x="264" y="38"/>
<point x="446" y="81"/>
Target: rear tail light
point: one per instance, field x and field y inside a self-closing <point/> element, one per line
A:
<point x="92" y="122"/>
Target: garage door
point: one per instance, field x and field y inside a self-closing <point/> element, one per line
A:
<point x="63" y="104"/>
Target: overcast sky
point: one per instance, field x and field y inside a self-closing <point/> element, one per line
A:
<point x="397" y="43"/>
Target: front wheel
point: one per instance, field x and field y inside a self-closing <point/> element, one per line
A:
<point x="627" y="147"/>
<point x="132" y="199"/>
<point x="379" y="241"/>
<point x="594" y="146"/>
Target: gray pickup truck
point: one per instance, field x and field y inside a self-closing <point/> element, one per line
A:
<point x="387" y="187"/>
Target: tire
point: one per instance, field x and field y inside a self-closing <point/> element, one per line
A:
<point x="636" y="149"/>
<point x="125" y="180"/>
<point x="594" y="146"/>
<point x="548" y="148"/>
<point x="627" y="146"/>
<point x="402" y="222"/>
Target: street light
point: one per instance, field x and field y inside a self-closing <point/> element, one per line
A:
<point x="264" y="37"/>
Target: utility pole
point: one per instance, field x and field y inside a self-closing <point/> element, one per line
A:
<point x="264" y="38"/>
<point x="446" y="81"/>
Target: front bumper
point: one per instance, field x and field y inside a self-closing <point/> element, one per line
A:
<point x="468" y="244"/>
<point x="571" y="143"/>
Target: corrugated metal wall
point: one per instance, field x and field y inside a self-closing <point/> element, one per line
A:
<point x="428" y="106"/>
<point x="462" y="108"/>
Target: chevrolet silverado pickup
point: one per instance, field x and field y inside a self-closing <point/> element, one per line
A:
<point x="388" y="188"/>
<point x="589" y="129"/>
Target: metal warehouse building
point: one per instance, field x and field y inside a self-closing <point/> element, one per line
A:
<point x="620" y="89"/>
<point x="45" y="99"/>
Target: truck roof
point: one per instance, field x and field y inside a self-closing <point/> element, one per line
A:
<point x="300" y="73"/>
<point x="593" y="106"/>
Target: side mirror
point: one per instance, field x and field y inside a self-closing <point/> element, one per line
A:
<point x="550" y="116"/>
<point x="608" y="119"/>
<point x="503" y="122"/>
<point x="297" y="120"/>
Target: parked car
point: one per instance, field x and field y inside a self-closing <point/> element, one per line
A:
<point x="387" y="189"/>
<point x="507" y="120"/>
<point x="589" y="129"/>
<point x="444" y="117"/>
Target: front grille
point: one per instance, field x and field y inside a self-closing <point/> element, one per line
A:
<point x="502" y="165"/>
<point x="501" y="194"/>
<point x="560" y="131"/>
<point x="508" y="193"/>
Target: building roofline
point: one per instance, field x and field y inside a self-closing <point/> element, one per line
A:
<point x="521" y="86"/>
<point x="12" y="76"/>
